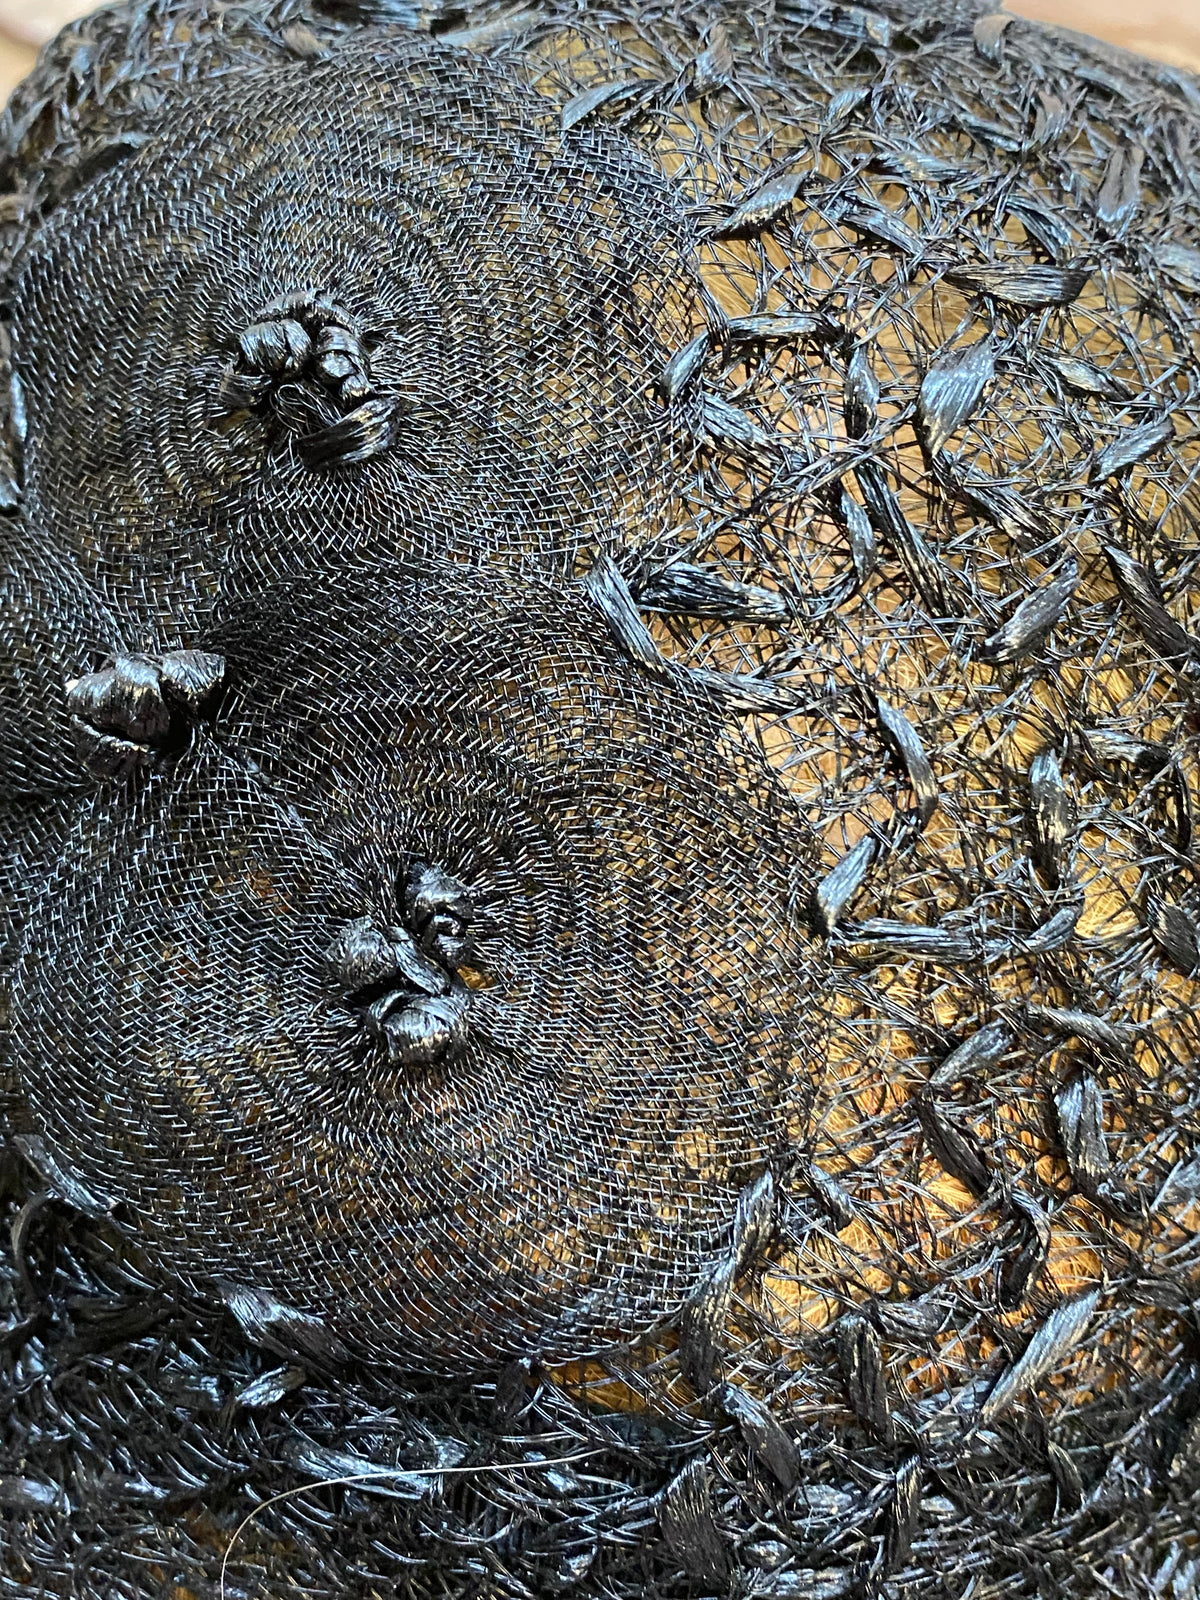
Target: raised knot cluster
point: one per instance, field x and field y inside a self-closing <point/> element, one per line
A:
<point x="412" y="997"/>
<point x="305" y="360"/>
<point x="407" y="974"/>
<point x="480" y="488"/>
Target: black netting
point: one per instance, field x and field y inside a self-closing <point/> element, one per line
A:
<point x="637" y="1032"/>
<point x="506" y="289"/>
<point x="639" y="858"/>
<point x="51" y="623"/>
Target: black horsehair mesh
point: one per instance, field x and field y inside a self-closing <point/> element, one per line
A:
<point x="599" y="741"/>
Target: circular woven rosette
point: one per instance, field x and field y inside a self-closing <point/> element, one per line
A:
<point x="634" y="1028"/>
<point x="378" y="301"/>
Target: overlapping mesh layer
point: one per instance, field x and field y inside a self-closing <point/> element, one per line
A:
<point x="638" y="1033"/>
<point x="516" y="293"/>
<point x="925" y="496"/>
<point x="53" y="626"/>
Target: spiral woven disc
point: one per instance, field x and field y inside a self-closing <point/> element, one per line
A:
<point x="634" y="1043"/>
<point x="508" y="283"/>
<point x="862" y="341"/>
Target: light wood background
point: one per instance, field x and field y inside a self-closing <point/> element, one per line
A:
<point x="1167" y="29"/>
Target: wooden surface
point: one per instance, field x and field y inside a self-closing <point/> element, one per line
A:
<point x="1168" y="29"/>
<point x="15" y="62"/>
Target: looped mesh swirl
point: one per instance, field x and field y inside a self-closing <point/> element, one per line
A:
<point x="641" y="1037"/>
<point x="517" y="292"/>
<point x="923" y="491"/>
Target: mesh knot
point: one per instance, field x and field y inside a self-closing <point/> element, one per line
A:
<point x="137" y="707"/>
<point x="404" y="980"/>
<point x="305" y="360"/>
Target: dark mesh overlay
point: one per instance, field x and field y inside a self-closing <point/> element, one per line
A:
<point x="604" y="941"/>
<point x="516" y="293"/>
<point x="637" y="1035"/>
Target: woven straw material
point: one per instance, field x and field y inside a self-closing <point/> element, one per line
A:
<point x="634" y="1026"/>
<point x="604" y="941"/>
<point x="508" y="291"/>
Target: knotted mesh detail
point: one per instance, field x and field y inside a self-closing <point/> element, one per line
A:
<point x="512" y="295"/>
<point x="640" y="1041"/>
<point x="889" y="420"/>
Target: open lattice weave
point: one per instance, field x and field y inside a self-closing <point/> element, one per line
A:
<point x="598" y="730"/>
